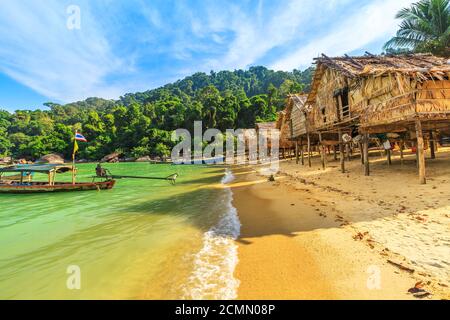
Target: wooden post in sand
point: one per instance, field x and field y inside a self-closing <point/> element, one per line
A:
<point x="322" y="151"/>
<point x="297" y="160"/>
<point x="420" y="152"/>
<point x="402" y="156"/>
<point x="432" y="146"/>
<point x="360" y="145"/>
<point x="335" y="152"/>
<point x="366" y="154"/>
<point x="341" y="151"/>
<point x="309" y="149"/>
<point x="348" y="151"/>
<point x="302" y="153"/>
<point x="389" y="158"/>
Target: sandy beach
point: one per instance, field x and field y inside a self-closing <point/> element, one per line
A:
<point x="321" y="234"/>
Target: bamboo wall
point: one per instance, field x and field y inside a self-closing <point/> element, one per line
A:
<point x="284" y="125"/>
<point x="324" y="113"/>
<point x="300" y="123"/>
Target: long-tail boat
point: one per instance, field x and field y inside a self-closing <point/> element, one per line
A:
<point x="21" y="180"/>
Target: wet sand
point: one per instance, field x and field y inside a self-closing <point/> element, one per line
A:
<point x="315" y="234"/>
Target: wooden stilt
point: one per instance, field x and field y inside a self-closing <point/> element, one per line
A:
<point x="360" y="146"/>
<point x="420" y="152"/>
<point x="417" y="155"/>
<point x="309" y="149"/>
<point x="323" y="155"/>
<point x="335" y="152"/>
<point x="432" y="146"/>
<point x="389" y="157"/>
<point x="402" y="147"/>
<point x="366" y="155"/>
<point x="302" y="152"/>
<point x="297" y="160"/>
<point x="341" y="152"/>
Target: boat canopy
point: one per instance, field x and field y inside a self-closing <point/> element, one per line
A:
<point x="41" y="168"/>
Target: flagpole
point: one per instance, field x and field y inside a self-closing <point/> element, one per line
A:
<point x="73" y="159"/>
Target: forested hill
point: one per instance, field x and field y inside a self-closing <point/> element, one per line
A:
<point x="140" y="124"/>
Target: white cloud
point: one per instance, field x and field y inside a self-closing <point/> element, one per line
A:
<point x="371" y="23"/>
<point x="115" y="53"/>
<point x="38" y="50"/>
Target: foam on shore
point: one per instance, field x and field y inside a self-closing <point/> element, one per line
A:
<point x="214" y="264"/>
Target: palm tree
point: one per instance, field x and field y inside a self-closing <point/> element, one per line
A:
<point x="425" y="28"/>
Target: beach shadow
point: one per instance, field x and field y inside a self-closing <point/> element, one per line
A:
<point x="265" y="218"/>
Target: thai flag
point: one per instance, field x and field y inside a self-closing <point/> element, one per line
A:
<point x="80" y="137"/>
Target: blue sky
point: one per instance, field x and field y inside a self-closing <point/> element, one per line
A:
<point x="135" y="45"/>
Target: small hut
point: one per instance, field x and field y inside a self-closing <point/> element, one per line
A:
<point x="379" y="95"/>
<point x="283" y="124"/>
<point x="300" y="129"/>
<point x="265" y="128"/>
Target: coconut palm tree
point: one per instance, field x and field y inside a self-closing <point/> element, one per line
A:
<point x="425" y="27"/>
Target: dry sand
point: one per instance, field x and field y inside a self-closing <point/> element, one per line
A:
<point x="315" y="234"/>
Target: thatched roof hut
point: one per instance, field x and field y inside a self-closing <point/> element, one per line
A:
<point x="292" y="121"/>
<point x="283" y="124"/>
<point x="299" y="112"/>
<point x="382" y="94"/>
<point x="379" y="93"/>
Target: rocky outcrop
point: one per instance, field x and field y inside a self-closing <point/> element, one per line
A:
<point x="52" y="158"/>
<point x="112" y="158"/>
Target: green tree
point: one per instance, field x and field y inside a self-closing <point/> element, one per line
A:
<point x="425" y="27"/>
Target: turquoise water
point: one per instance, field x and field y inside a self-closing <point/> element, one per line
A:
<point x="140" y="240"/>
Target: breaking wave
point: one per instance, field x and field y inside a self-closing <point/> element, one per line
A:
<point x="214" y="265"/>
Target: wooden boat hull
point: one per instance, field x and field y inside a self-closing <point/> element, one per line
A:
<point x="37" y="187"/>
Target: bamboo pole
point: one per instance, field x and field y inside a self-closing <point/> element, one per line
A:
<point x="348" y="152"/>
<point x="322" y="151"/>
<point x="420" y="152"/>
<point x="402" y="156"/>
<point x="432" y="146"/>
<point x="366" y="155"/>
<point x="309" y="149"/>
<point x="341" y="152"/>
<point x="360" y="146"/>
<point x="302" y="151"/>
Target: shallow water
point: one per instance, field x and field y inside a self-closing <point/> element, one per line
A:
<point x="143" y="239"/>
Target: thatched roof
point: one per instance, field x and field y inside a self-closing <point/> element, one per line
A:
<point x="422" y="67"/>
<point x="299" y="101"/>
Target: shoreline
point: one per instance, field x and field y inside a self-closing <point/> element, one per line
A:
<point x="297" y="243"/>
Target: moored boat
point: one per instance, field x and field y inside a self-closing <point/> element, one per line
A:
<point x="21" y="182"/>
